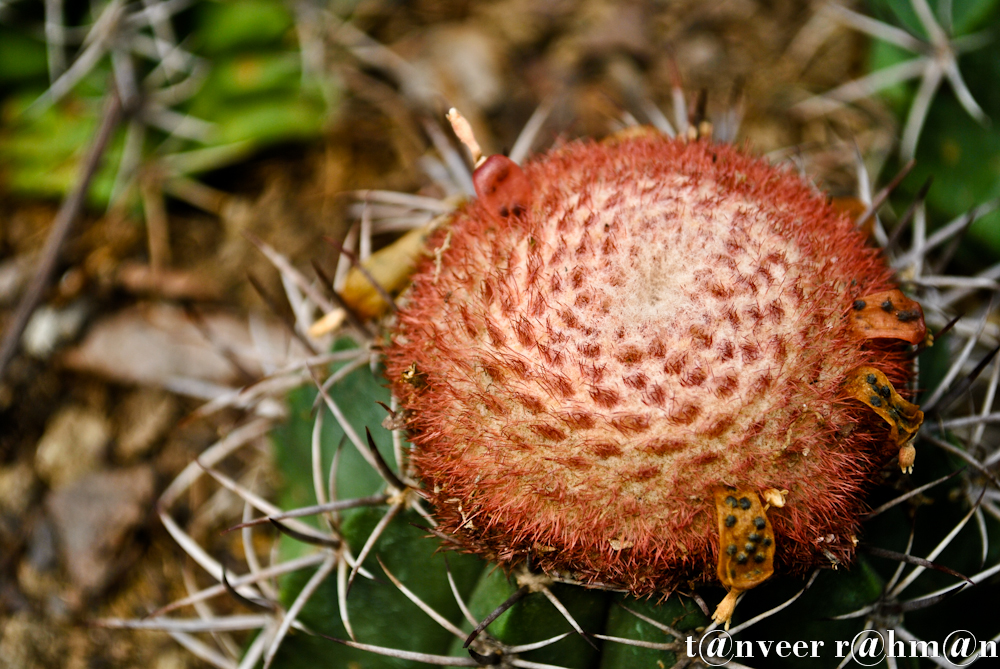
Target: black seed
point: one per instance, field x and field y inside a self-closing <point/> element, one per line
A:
<point x="731" y="501"/>
<point x="907" y="316"/>
<point x="759" y="522"/>
<point x="732" y="572"/>
<point x="885" y="391"/>
<point x="887" y="306"/>
<point x="859" y="305"/>
<point x="731" y="549"/>
<point x="730" y="520"/>
<point x="875" y="400"/>
<point x="871" y="379"/>
<point x="759" y="557"/>
<point x="741" y="558"/>
<point x="744" y="503"/>
<point x="766" y="542"/>
<point x="748" y="547"/>
<point x="754" y="536"/>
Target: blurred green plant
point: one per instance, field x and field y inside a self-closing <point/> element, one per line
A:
<point x="211" y="85"/>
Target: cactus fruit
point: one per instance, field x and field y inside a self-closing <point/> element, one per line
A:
<point x="621" y="336"/>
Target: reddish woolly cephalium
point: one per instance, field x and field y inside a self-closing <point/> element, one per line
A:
<point x="623" y="327"/>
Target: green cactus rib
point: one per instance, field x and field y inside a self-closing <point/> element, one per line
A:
<point x="379" y="613"/>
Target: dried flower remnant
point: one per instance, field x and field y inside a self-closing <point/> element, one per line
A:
<point x="620" y="330"/>
<point x="746" y="546"/>
<point x="870" y="386"/>
<point x="889" y="315"/>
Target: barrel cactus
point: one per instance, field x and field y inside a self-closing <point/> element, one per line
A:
<point x="492" y="540"/>
<point x="650" y="335"/>
<point x="644" y="379"/>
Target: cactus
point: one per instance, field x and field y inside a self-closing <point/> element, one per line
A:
<point x="370" y="581"/>
<point x="665" y="330"/>
<point x="378" y="591"/>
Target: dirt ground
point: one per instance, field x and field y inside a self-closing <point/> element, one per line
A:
<point x="90" y="438"/>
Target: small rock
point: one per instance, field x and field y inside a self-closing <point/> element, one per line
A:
<point x="74" y="444"/>
<point x="93" y="516"/>
<point x="17" y="488"/>
<point x="49" y="327"/>
<point x="145" y="416"/>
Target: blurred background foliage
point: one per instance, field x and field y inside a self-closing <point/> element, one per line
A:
<point x="238" y="87"/>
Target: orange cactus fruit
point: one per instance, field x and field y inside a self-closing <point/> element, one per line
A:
<point x="618" y="333"/>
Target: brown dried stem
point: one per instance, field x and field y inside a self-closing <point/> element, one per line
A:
<point x="61" y="228"/>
